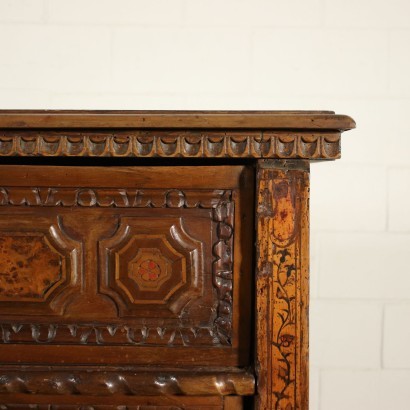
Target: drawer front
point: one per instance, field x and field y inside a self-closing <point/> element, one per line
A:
<point x="136" y="265"/>
<point x="136" y="403"/>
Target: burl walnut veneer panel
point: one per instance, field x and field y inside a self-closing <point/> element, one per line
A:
<point x="173" y="275"/>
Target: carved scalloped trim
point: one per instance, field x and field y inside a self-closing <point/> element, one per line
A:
<point x="223" y="269"/>
<point x="108" y="334"/>
<point x="190" y="144"/>
<point x="111" y="198"/>
<point x="109" y="383"/>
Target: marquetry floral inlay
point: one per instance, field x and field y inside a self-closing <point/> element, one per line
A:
<point x="149" y="270"/>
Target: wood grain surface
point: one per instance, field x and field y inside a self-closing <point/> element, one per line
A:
<point x="176" y="119"/>
<point x="282" y="285"/>
<point x="191" y="143"/>
<point x="135" y="285"/>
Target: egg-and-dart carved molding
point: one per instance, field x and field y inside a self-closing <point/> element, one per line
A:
<point x="146" y="383"/>
<point x="218" y="333"/>
<point x="185" y="143"/>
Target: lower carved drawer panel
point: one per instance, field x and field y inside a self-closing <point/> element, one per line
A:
<point x="141" y="403"/>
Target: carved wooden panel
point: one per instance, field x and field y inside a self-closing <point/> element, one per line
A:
<point x="152" y="261"/>
<point x="130" y="287"/>
<point x="136" y="266"/>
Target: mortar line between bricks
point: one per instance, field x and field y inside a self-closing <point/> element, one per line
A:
<point x="387" y="199"/>
<point x="382" y="337"/>
<point x="362" y="299"/>
<point x="45" y="16"/>
<point x="389" y="54"/>
<point x="320" y="390"/>
<point x="378" y="233"/>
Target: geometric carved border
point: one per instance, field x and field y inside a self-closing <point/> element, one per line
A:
<point x="189" y="143"/>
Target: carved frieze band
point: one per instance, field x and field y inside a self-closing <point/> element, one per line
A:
<point x="111" y="198"/>
<point x="266" y="144"/>
<point x="146" y="383"/>
<point x="109" y="334"/>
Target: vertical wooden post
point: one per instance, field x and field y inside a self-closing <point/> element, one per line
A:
<point x="282" y="285"/>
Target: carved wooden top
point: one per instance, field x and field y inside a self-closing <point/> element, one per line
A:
<point x="310" y="120"/>
<point x="189" y="134"/>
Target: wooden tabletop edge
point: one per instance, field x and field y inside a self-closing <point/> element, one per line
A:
<point x="302" y="120"/>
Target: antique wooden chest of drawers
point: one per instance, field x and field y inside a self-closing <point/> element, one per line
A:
<point x="157" y="260"/>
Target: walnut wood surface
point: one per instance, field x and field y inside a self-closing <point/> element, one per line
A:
<point x="133" y="287"/>
<point x="167" y="178"/>
<point x="177" y="119"/>
<point x="322" y="144"/>
<point x="130" y="265"/>
<point x="26" y="402"/>
<point x="282" y="285"/>
<point x="107" y="383"/>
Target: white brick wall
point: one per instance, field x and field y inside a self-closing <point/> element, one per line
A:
<point x="336" y="327"/>
<point x="15" y="11"/>
<point x="347" y="55"/>
<point x="399" y="199"/>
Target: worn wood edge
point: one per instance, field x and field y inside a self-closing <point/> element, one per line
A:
<point x="107" y="383"/>
<point x="233" y="403"/>
<point x="175" y="119"/>
<point x="122" y="355"/>
<point x="160" y="112"/>
<point x="132" y="177"/>
<point x="279" y="144"/>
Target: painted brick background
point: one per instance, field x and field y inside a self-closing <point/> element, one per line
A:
<point x="351" y="56"/>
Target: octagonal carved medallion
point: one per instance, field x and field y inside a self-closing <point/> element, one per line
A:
<point x="151" y="261"/>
